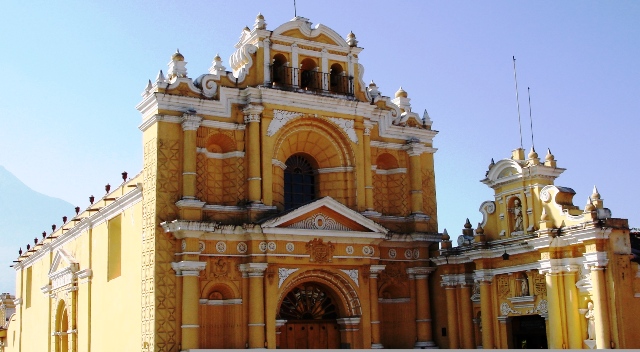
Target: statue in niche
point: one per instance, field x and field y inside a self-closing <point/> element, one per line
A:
<point x="524" y="285"/>
<point x="591" y="325"/>
<point x="517" y="215"/>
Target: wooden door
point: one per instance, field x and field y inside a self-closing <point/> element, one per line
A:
<point x="305" y="334"/>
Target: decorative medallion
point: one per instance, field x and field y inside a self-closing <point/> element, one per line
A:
<point x="353" y="274"/>
<point x="392" y="253"/>
<point x="290" y="247"/>
<point x="408" y="254"/>
<point x="263" y="247"/>
<point x="201" y="246"/>
<point x="490" y="207"/>
<point x="241" y="247"/>
<point x="221" y="247"/>
<point x="544" y="194"/>
<point x="349" y="250"/>
<point x="367" y="250"/>
<point x="283" y="274"/>
<point x="183" y="245"/>
<point x="271" y="246"/>
<point x="319" y="251"/>
<point x="219" y="267"/>
<point x="416" y="253"/>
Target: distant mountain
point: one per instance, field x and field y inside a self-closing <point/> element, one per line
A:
<point x="24" y="214"/>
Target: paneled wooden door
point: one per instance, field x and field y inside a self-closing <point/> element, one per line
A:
<point x="315" y="334"/>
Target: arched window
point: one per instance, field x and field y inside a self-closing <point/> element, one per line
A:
<point x="307" y="302"/>
<point x="299" y="182"/>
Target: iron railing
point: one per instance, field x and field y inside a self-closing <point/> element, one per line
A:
<point x="295" y="79"/>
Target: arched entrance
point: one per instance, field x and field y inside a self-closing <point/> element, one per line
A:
<point x="311" y="312"/>
<point x="528" y="332"/>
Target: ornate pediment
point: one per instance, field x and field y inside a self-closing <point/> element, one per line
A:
<point x="325" y="214"/>
<point x="63" y="269"/>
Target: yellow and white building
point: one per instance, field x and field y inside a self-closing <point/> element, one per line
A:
<point x="286" y="204"/>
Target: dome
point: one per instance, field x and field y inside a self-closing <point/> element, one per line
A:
<point x="401" y="93"/>
<point x="177" y="56"/>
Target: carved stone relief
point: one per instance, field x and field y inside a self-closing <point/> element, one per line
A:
<point x="319" y="251"/>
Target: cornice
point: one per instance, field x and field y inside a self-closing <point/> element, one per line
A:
<point x="109" y="211"/>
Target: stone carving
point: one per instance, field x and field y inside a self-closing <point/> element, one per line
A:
<point x="219" y="268"/>
<point x="319" y="222"/>
<point x="263" y="247"/>
<point x="542" y="308"/>
<point x="290" y="247"/>
<point x="183" y="245"/>
<point x="283" y="274"/>
<point x="591" y="321"/>
<point x="503" y="286"/>
<point x="353" y="274"/>
<point x="416" y="253"/>
<point x="280" y="118"/>
<point x="319" y="251"/>
<point x="271" y="246"/>
<point x="221" y="247"/>
<point x="349" y="250"/>
<point x="367" y="250"/>
<point x="544" y="194"/>
<point x="524" y="285"/>
<point x="392" y="253"/>
<point x="347" y="127"/>
<point x="201" y="246"/>
<point x="241" y="247"/>
<point x="517" y="216"/>
<point x="505" y="309"/>
<point x="408" y="254"/>
<point x="539" y="285"/>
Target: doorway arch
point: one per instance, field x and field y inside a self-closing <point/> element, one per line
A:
<point x="313" y="303"/>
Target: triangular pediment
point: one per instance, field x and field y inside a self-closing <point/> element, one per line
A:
<point x="61" y="261"/>
<point x="325" y="214"/>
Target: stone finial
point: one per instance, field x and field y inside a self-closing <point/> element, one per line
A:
<point x="402" y="100"/>
<point x="147" y="89"/>
<point x="426" y="119"/>
<point x="373" y="90"/>
<point x="480" y="230"/>
<point x="260" y="23"/>
<point x="533" y="157"/>
<point x="596" y="200"/>
<point x="589" y="206"/>
<point x="467" y="224"/>
<point x="217" y="68"/>
<point x="177" y="66"/>
<point x="351" y="40"/>
<point x="595" y="195"/>
<point x="549" y="159"/>
<point x="445" y="235"/>
<point x="160" y="77"/>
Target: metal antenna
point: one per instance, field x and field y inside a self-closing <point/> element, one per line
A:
<point x="295" y="12"/>
<point x="533" y="145"/>
<point x="515" y="77"/>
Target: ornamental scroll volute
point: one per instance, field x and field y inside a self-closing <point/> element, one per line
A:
<point x="319" y="251"/>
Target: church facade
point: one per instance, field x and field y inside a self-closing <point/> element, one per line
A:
<point x="284" y="203"/>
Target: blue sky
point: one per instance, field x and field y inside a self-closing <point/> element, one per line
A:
<point x="73" y="73"/>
